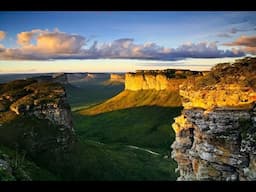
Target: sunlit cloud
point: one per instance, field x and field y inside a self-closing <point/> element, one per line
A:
<point x="52" y="45"/>
<point x="2" y="35"/>
<point x="247" y="43"/>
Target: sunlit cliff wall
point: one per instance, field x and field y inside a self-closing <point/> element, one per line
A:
<point x="117" y="77"/>
<point x="156" y="80"/>
<point x="216" y="133"/>
<point x="147" y="88"/>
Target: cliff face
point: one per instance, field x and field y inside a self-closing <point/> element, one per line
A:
<point x="146" y="88"/>
<point x="73" y="77"/>
<point x="216" y="133"/>
<point x="117" y="77"/>
<point x="97" y="76"/>
<point x="55" y="78"/>
<point x="9" y="171"/>
<point x="156" y="80"/>
<point x="37" y="114"/>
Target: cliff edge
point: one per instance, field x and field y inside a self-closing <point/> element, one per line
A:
<point x="35" y="116"/>
<point x="146" y="88"/>
<point x="168" y="79"/>
<point x="216" y="133"/>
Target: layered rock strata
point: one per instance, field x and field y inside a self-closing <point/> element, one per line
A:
<point x="216" y="132"/>
<point x="45" y="101"/>
<point x="156" y="79"/>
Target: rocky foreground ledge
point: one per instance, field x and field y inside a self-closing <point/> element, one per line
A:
<point x="216" y="132"/>
<point x="35" y="116"/>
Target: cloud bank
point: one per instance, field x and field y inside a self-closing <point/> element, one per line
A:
<point x="40" y="44"/>
<point x="247" y="44"/>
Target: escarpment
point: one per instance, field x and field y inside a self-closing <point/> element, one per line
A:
<point x="117" y="77"/>
<point x="169" y="79"/>
<point x="146" y="88"/>
<point x="35" y="116"/>
<point x="216" y="132"/>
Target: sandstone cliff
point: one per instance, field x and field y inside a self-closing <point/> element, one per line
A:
<point x="117" y="77"/>
<point x="215" y="135"/>
<point x="156" y="79"/>
<point x="35" y="116"/>
<point x="91" y="76"/>
<point x="146" y="88"/>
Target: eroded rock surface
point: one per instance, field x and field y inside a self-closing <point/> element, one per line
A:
<point x="156" y="79"/>
<point x="42" y="102"/>
<point x="216" y="133"/>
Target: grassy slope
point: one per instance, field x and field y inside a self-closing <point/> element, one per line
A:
<point x="139" y="126"/>
<point x="130" y="99"/>
<point x="147" y="126"/>
<point x="114" y="160"/>
<point x="91" y="160"/>
<point x="83" y="94"/>
<point x="35" y="172"/>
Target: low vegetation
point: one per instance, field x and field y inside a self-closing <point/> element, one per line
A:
<point x="146" y="126"/>
<point x="131" y="99"/>
<point x="241" y="72"/>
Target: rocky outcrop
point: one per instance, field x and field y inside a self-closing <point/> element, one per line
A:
<point x="216" y="133"/>
<point x="44" y="101"/>
<point x="11" y="170"/>
<point x="156" y="79"/>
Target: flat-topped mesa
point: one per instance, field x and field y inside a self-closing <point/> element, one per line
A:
<point x="97" y="76"/>
<point x="168" y="79"/>
<point x="73" y="77"/>
<point x="216" y="133"/>
<point x="117" y="77"/>
<point x="55" y="78"/>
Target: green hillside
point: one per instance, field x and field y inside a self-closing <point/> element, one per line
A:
<point x="130" y="99"/>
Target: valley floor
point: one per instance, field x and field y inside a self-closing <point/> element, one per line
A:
<point x="128" y="143"/>
<point x="124" y="144"/>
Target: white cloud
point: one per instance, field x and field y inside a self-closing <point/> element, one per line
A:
<point x="45" y="45"/>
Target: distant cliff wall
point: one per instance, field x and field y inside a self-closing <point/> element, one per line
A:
<point x="156" y="79"/>
<point x="117" y="77"/>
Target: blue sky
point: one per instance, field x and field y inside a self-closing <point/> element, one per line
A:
<point x="73" y="39"/>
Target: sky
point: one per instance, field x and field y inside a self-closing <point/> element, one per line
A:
<point x="122" y="41"/>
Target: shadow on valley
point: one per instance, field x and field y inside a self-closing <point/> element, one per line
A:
<point x="124" y="144"/>
<point x="146" y="126"/>
<point x="129" y="144"/>
<point x="84" y="94"/>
